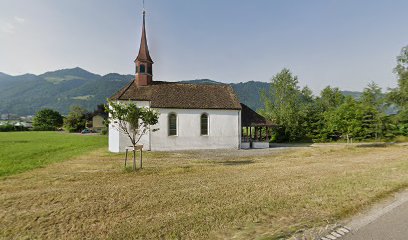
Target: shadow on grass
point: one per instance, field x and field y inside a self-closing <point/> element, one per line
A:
<point x="372" y="145"/>
<point x="289" y="145"/>
<point x="129" y="169"/>
<point x="236" y="163"/>
<point x="14" y="141"/>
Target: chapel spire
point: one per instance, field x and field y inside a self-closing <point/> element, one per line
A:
<point x="143" y="61"/>
<point x="144" y="54"/>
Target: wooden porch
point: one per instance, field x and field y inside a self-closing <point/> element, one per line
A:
<point x="256" y="130"/>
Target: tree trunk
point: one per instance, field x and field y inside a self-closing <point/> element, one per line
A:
<point x="134" y="158"/>
<point x="141" y="158"/>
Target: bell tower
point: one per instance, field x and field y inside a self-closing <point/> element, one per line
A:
<point x="143" y="61"/>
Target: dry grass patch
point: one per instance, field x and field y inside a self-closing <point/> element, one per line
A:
<point x="199" y="195"/>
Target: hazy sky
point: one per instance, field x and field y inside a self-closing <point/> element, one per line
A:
<point x="344" y="43"/>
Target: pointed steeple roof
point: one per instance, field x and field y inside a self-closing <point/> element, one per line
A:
<point x="144" y="54"/>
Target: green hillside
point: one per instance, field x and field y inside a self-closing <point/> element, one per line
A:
<point x="26" y="94"/>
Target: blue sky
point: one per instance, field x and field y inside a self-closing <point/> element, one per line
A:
<point x="341" y="43"/>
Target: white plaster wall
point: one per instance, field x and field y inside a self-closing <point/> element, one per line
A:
<point x="260" y="145"/>
<point x="224" y="130"/>
<point x="245" y="145"/>
<point x="113" y="139"/>
<point x="119" y="141"/>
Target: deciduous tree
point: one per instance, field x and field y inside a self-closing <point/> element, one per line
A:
<point x="76" y="119"/>
<point x="47" y="120"/>
<point x="284" y="104"/>
<point x="131" y="120"/>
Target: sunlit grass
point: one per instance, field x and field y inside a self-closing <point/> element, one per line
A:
<point x="22" y="151"/>
<point x="199" y="194"/>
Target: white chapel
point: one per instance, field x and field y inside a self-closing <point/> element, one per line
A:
<point x="192" y="116"/>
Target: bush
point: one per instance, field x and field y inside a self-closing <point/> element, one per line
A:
<point x="7" y="128"/>
<point x="47" y="120"/>
<point x="11" y="128"/>
<point x="76" y="119"/>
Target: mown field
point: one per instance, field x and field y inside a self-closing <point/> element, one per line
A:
<point x="23" y="151"/>
<point x="265" y="194"/>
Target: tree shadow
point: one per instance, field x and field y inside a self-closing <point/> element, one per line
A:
<point x="14" y="141"/>
<point x="372" y="145"/>
<point x="289" y="145"/>
<point x="236" y="163"/>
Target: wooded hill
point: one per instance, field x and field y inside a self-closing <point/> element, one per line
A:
<point x="58" y="90"/>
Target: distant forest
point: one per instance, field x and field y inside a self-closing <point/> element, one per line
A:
<point x="59" y="90"/>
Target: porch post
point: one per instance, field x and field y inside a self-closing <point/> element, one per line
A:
<point x="246" y="134"/>
<point x="250" y="134"/>
<point x="267" y="134"/>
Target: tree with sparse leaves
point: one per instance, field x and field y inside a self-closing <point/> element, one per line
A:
<point x="131" y="120"/>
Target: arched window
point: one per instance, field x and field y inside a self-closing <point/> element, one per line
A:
<point x="204" y="124"/>
<point x="142" y="68"/>
<point x="149" y="70"/>
<point x="137" y="69"/>
<point x="172" y="124"/>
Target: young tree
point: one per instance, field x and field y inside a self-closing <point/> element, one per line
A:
<point x="131" y="120"/>
<point x="47" y="120"/>
<point x="76" y="119"/>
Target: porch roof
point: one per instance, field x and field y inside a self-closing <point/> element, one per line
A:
<point x="250" y="118"/>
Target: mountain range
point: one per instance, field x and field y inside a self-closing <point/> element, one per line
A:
<point x="58" y="90"/>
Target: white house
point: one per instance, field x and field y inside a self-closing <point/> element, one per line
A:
<point x="192" y="116"/>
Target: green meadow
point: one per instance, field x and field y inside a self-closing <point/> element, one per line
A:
<point x="23" y="151"/>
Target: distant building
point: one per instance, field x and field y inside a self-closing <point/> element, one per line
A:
<point x="98" y="123"/>
<point x="27" y="125"/>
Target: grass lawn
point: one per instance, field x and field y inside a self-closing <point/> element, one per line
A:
<point x="22" y="151"/>
<point x="200" y="194"/>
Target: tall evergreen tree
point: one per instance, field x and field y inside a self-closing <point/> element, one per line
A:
<point x="373" y="102"/>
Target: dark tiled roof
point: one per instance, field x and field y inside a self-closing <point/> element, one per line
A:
<point x="251" y="118"/>
<point x="181" y="95"/>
